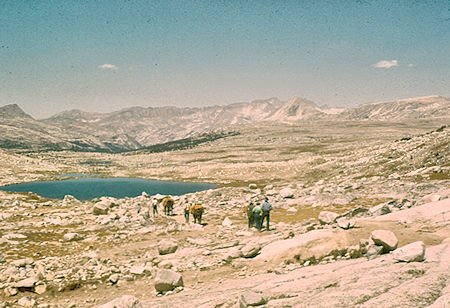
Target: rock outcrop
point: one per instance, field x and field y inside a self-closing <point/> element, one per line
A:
<point x="166" y="280"/>
<point x="413" y="252"/>
<point x="167" y="247"/>
<point x="385" y="238"/>
<point x="126" y="301"/>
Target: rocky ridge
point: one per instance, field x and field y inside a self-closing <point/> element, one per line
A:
<point x="137" y="127"/>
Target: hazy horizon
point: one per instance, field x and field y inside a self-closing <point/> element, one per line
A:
<point x="103" y="56"/>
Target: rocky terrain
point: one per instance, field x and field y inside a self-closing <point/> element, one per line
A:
<point x="349" y="198"/>
<point x="137" y="127"/>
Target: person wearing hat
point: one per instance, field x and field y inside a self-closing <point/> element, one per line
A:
<point x="250" y="215"/>
<point x="155" y="207"/>
<point x="266" y="207"/>
<point x="186" y="211"/>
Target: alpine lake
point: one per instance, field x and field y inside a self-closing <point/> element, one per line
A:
<point x="89" y="187"/>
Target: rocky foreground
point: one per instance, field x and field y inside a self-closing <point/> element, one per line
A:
<point x="357" y="221"/>
<point x="92" y="252"/>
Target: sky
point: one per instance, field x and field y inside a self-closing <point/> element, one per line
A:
<point x="105" y="55"/>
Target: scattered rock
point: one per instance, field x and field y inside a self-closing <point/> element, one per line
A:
<point x="41" y="288"/>
<point x="100" y="208"/>
<point x="167" y="280"/>
<point x="227" y="222"/>
<point x="326" y="217"/>
<point x="137" y="270"/>
<point x="27" y="283"/>
<point x="381" y="209"/>
<point x="10" y="291"/>
<point x="287" y="193"/>
<point x="250" y="250"/>
<point x="431" y="198"/>
<point x="27" y="301"/>
<point x="14" y="236"/>
<point x="22" y="262"/>
<point x="356" y="212"/>
<point x="252" y="186"/>
<point x="373" y="251"/>
<point x="243" y="233"/>
<point x="114" y="278"/>
<point x="167" y="247"/>
<point x="345" y="224"/>
<point x="251" y="298"/>
<point x="126" y="301"/>
<point x="69" y="199"/>
<point x="385" y="238"/>
<point x="291" y="210"/>
<point x="71" y="237"/>
<point x="413" y="252"/>
<point x="233" y="253"/>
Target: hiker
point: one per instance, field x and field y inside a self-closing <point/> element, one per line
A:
<point x="186" y="212"/>
<point x="266" y="207"/>
<point x="155" y="207"/>
<point x="250" y="216"/>
<point x="257" y="211"/>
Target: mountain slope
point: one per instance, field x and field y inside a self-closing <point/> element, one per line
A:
<point x="137" y="127"/>
<point x="19" y="131"/>
<point x="412" y="108"/>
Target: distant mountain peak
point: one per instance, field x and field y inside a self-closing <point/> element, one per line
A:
<point x="13" y="111"/>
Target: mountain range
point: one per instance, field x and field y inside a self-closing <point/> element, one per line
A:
<point x="137" y="127"/>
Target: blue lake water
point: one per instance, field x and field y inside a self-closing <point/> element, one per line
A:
<point x="87" y="188"/>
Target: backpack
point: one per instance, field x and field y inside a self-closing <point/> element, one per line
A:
<point x="250" y="210"/>
<point x="257" y="210"/>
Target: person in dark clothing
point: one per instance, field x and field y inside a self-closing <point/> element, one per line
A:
<point x="257" y="215"/>
<point x="266" y="207"/>
<point x="250" y="216"/>
<point x="186" y="212"/>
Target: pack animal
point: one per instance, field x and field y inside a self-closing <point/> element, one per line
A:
<point x="197" y="212"/>
<point x="168" y="203"/>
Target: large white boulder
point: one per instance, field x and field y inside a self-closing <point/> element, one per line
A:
<point x="227" y="222"/>
<point x="27" y="282"/>
<point x="71" y="237"/>
<point x="410" y="253"/>
<point x="327" y="217"/>
<point x="27" y="301"/>
<point x="287" y="193"/>
<point x="166" y="247"/>
<point x="100" y="208"/>
<point x="385" y="238"/>
<point x="251" y="298"/>
<point x="345" y="223"/>
<point x="250" y="250"/>
<point x="126" y="301"/>
<point x="167" y="280"/>
<point x="316" y="243"/>
<point x="380" y="209"/>
<point x="252" y="186"/>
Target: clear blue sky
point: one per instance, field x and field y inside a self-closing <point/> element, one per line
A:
<point x="107" y="55"/>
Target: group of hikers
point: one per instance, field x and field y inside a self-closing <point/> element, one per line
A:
<point x="256" y="212"/>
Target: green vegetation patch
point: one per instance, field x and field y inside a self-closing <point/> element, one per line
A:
<point x="186" y="143"/>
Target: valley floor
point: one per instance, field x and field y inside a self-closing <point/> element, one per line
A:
<point x="62" y="253"/>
